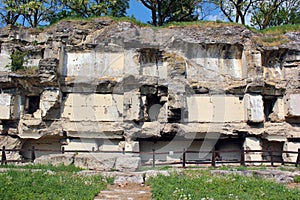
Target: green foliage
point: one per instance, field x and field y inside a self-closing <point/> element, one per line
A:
<point x="282" y="29"/>
<point x="241" y="168"/>
<point x="90" y="8"/>
<point x="297" y="179"/>
<point x="129" y="19"/>
<point x="9" y="11"/>
<point x="202" y="185"/>
<point x="234" y="10"/>
<point x="44" y="185"/>
<point x="17" y="60"/>
<point x="172" y="11"/>
<point x="275" y="13"/>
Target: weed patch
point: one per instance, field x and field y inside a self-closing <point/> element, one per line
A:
<point x="44" y="185"/>
<point x="202" y="185"/>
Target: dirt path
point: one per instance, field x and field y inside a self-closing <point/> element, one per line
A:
<point x="127" y="192"/>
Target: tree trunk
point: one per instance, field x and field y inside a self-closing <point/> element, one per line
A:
<point x="35" y="18"/>
<point x="159" y="13"/>
<point x="154" y="15"/>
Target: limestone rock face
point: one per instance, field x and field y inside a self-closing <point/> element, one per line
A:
<point x="114" y="86"/>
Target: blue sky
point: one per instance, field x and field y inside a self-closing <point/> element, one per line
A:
<point x="143" y="14"/>
<point x="140" y="12"/>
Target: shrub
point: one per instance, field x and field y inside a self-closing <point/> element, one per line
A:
<point x="297" y="179"/>
<point x="17" y="60"/>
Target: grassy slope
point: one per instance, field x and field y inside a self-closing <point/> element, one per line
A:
<point x="201" y="185"/>
<point x="49" y="183"/>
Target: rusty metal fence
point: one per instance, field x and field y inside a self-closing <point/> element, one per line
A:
<point x="183" y="162"/>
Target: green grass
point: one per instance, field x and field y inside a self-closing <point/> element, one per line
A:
<point x="44" y="185"/>
<point x="282" y="29"/>
<point x="240" y="168"/>
<point x="59" y="168"/>
<point x="202" y="185"/>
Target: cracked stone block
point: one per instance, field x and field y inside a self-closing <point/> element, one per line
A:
<point x="215" y="109"/>
<point x="5" y="103"/>
<point x="86" y="64"/>
<point x="93" y="107"/>
<point x="254" y="108"/>
<point x="253" y="143"/>
<point x="126" y="163"/>
<point x="292" y="105"/>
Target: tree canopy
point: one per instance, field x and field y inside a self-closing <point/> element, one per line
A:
<point x="163" y="11"/>
<point x="260" y="13"/>
<point x="274" y="13"/>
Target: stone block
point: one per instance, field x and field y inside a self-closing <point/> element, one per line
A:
<point x="215" y="109"/>
<point x="124" y="179"/>
<point x="214" y="59"/>
<point x="290" y="146"/>
<point x="94" y="64"/>
<point x="132" y="65"/>
<point x="93" y="107"/>
<point x="253" y="143"/>
<point x="132" y="106"/>
<point x="131" y="146"/>
<point x="49" y="99"/>
<point x="81" y="144"/>
<point x="88" y="129"/>
<point x="254" y="109"/>
<point x="278" y="111"/>
<point x="55" y="159"/>
<point x="11" y="143"/>
<point x="5" y="58"/>
<point x="96" y="161"/>
<point x="126" y="163"/>
<point x="292" y="107"/>
<point x="5" y="103"/>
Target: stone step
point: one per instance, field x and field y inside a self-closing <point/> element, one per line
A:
<point x="126" y="192"/>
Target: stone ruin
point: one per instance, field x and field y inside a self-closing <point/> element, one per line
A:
<point x="112" y="86"/>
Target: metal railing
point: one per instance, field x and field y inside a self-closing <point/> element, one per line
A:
<point x="183" y="161"/>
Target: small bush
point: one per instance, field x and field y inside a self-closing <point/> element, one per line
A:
<point x="297" y="179"/>
<point x="17" y="60"/>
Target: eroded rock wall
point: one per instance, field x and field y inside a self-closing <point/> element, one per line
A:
<point x="105" y="85"/>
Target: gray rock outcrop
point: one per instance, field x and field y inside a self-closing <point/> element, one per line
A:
<point x="113" y="86"/>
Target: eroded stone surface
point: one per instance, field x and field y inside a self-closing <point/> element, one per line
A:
<point x="114" y="86"/>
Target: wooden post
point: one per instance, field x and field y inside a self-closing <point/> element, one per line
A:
<point x="153" y="158"/>
<point x="32" y="154"/>
<point x="243" y="157"/>
<point x="3" y="159"/>
<point x="298" y="158"/>
<point x="272" y="159"/>
<point x="62" y="150"/>
<point x="183" y="158"/>
<point x="213" y="158"/>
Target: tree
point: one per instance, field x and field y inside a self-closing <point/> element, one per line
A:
<point x="9" y="11"/>
<point x="275" y="13"/>
<point x="91" y="8"/>
<point x="235" y="10"/>
<point x="163" y="11"/>
<point x="37" y="11"/>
